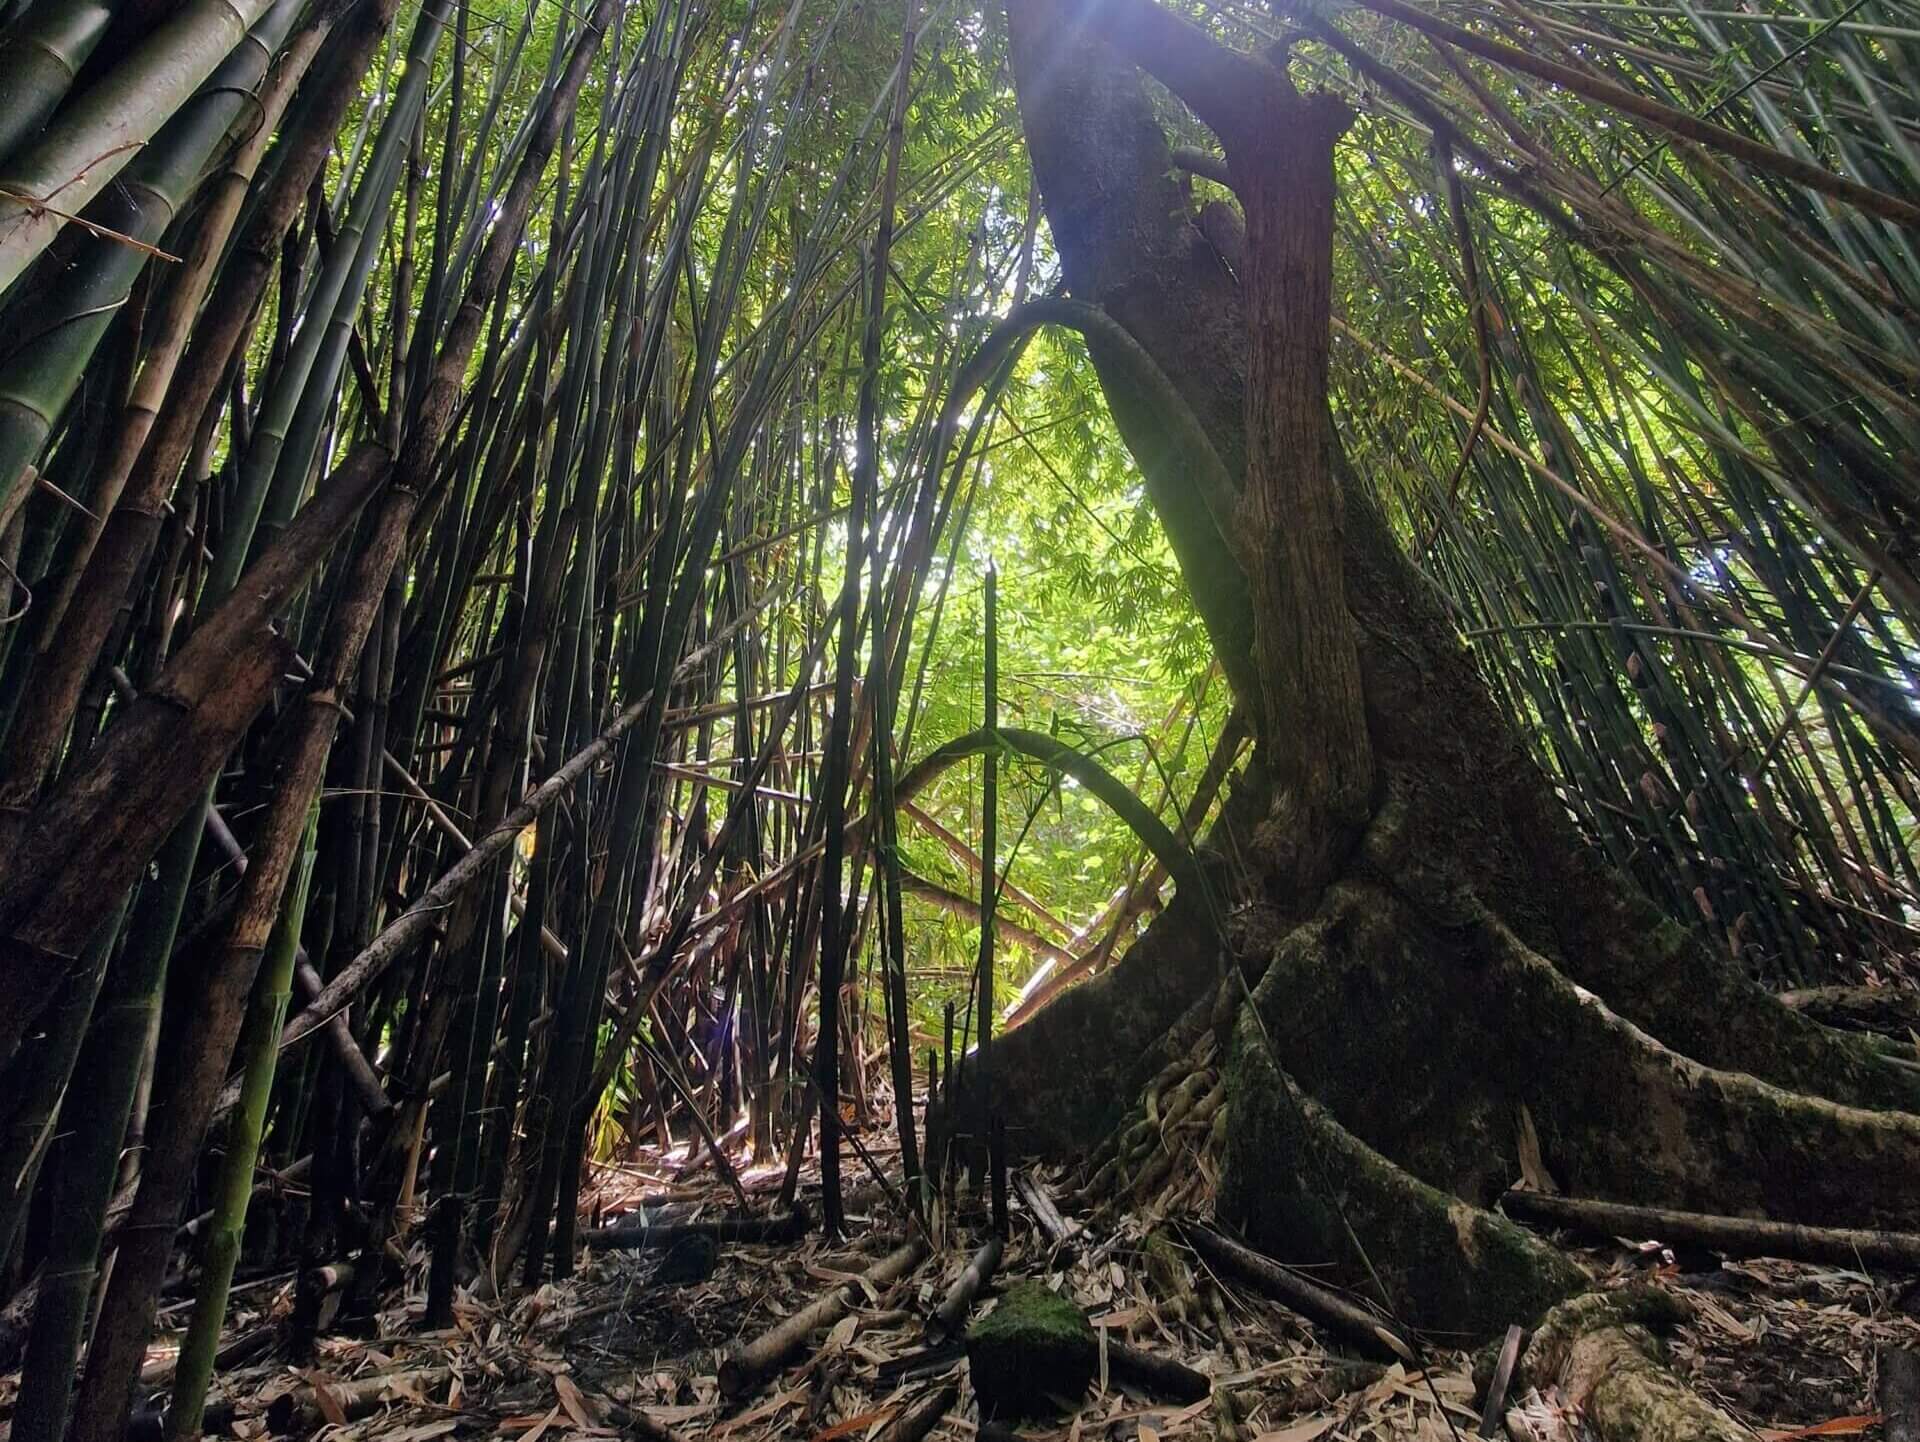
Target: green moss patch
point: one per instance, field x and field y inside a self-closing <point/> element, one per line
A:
<point x="1032" y="1350"/>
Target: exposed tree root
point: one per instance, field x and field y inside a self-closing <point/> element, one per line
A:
<point x="1479" y="1041"/>
<point x="1305" y="1189"/>
<point x="1406" y="1058"/>
<point x="1600" y="1353"/>
<point x="1887" y="1010"/>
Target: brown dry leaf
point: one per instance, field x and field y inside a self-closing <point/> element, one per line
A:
<point x="1718" y="1316"/>
<point x="780" y="1401"/>
<point x="1534" y="1176"/>
<point x="324" y="1399"/>
<point x="1303" y="1431"/>
<point x="576" y="1404"/>
<point x="1832" y="1427"/>
<point x="424" y="1432"/>
<point x="851" y="1425"/>
<point x="539" y="1429"/>
<point x="838" y="1337"/>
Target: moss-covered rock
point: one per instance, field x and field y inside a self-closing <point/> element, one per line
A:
<point x="1033" y="1348"/>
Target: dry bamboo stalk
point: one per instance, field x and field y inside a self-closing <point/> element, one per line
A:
<point x="1735" y="1236"/>
<point x="748" y="1366"/>
<point x="921" y="1418"/>
<point x="952" y="1311"/>
<point x="1310" y="1299"/>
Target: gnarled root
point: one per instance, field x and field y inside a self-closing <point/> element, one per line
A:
<point x="1445" y="1043"/>
<point x="1306" y="1190"/>
<point x="1599" y="1355"/>
<point x="1423" y="1041"/>
<point x="1892" y="1011"/>
<point x="1160" y="1159"/>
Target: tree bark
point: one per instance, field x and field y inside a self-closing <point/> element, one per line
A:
<point x="1406" y="988"/>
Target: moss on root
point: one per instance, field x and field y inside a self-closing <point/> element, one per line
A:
<point x="1603" y="1352"/>
<point x="1441" y="1044"/>
<point x="1032" y="1348"/>
<point x="1409" y="1041"/>
<point x="1306" y="1190"/>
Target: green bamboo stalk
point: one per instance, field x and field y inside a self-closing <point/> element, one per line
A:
<point x="259" y="1053"/>
<point x="989" y="841"/>
<point x="189" y="412"/>
<point x="269" y="494"/>
<point x="97" y="135"/>
<point x="165" y="335"/>
<point x="114" y="1361"/>
<point x="64" y="318"/>
<point x="87" y="1156"/>
<point x="40" y="58"/>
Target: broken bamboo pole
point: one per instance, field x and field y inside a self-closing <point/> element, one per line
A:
<point x="1313" y="1301"/>
<point x="923" y="1416"/>
<point x="1160" y="1376"/>
<point x="637" y="1423"/>
<point x="951" y="1314"/>
<point x="1731" y="1236"/>
<point x="1046" y="1213"/>
<point x="747" y="1366"/>
<point x="306" y="1409"/>
<point x="766" y="1231"/>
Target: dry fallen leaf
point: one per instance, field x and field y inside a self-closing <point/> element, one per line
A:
<point x="328" y="1404"/>
<point x="1304" y="1431"/>
<point x="1832" y="1427"/>
<point x="574" y="1402"/>
<point x="850" y="1426"/>
<point x="539" y="1428"/>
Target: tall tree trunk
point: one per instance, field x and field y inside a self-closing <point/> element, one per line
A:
<point x="1428" y="900"/>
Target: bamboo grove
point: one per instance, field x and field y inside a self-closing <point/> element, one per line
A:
<point x="495" y="502"/>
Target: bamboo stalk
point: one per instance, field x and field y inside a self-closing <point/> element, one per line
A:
<point x="745" y="1368"/>
<point x="95" y="137"/>
<point x="260" y="1054"/>
<point x="1734" y="1236"/>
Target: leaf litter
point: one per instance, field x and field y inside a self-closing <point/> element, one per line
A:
<point x="1785" y="1348"/>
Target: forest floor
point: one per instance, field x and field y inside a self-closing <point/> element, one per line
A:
<point x="1787" y="1349"/>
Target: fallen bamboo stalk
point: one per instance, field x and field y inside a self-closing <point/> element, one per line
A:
<point x="751" y="1364"/>
<point x="951" y="1314"/>
<point x="636" y="1422"/>
<point x="1732" y="1236"/>
<point x="929" y="1361"/>
<point x="246" y="1347"/>
<point x="1887" y="1010"/>
<point x="304" y="1410"/>
<point x="1493" y="1410"/>
<point x="918" y="1420"/>
<point x="1161" y="1376"/>
<point x="1045" y="1212"/>
<point x="1334" y="1312"/>
<point x="149" y="1420"/>
<point x="770" y="1231"/>
<point x="360" y="1072"/>
<point x="967" y="908"/>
